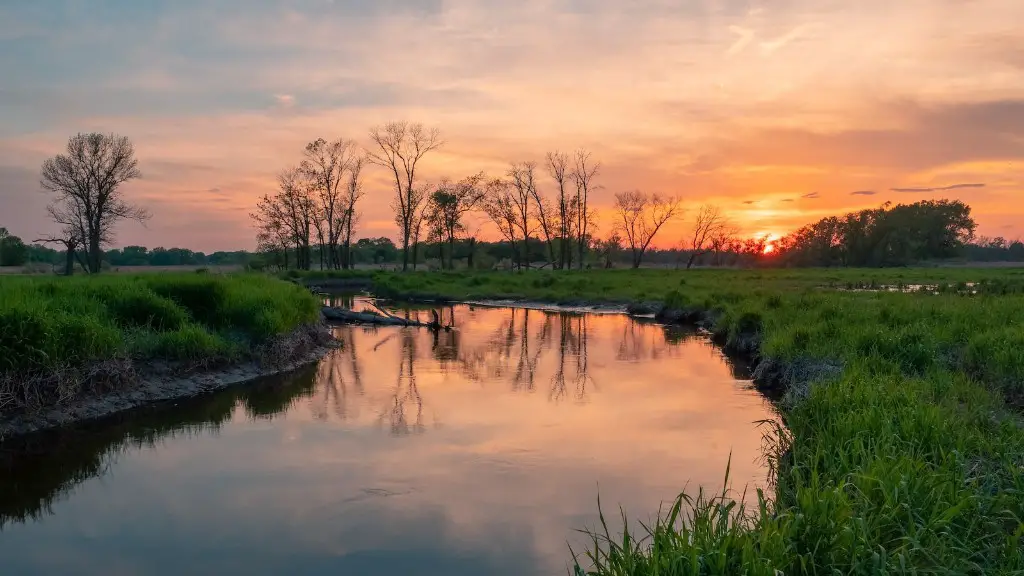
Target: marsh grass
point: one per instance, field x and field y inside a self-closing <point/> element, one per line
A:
<point x="51" y="326"/>
<point x="906" y="458"/>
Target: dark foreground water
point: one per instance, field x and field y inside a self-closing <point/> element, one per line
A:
<point x="476" y="451"/>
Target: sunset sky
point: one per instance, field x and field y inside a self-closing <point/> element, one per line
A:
<point x="779" y="111"/>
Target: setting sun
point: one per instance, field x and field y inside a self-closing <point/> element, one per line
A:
<point x="769" y="248"/>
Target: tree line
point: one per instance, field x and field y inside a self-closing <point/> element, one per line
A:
<point x="542" y="211"/>
<point x="549" y="201"/>
<point x="890" y="235"/>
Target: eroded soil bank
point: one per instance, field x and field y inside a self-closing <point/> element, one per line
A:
<point x="129" y="384"/>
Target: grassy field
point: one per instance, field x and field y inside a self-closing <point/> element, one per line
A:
<point x="906" y="457"/>
<point x="54" y="330"/>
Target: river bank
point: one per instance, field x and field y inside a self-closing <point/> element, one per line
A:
<point x="904" y="443"/>
<point x="73" y="349"/>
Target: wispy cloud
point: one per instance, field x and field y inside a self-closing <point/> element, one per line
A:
<point x="770" y="46"/>
<point x="940" y="188"/>
<point x="863" y="193"/>
<point x="226" y="94"/>
<point x="746" y="36"/>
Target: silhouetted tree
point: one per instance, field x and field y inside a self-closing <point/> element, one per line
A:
<point x="87" y="181"/>
<point x="583" y="175"/>
<point x="708" y="227"/>
<point x="400" y="147"/>
<point x="558" y="168"/>
<point x="641" y="217"/>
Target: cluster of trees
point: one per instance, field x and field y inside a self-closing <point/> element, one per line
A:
<point x="160" y="256"/>
<point x="313" y="211"/>
<point x="998" y="249"/>
<point x="563" y="220"/>
<point x="542" y="211"/>
<point x="315" y="205"/>
<point x="885" y="236"/>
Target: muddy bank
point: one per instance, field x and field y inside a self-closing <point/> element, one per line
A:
<point x="131" y="385"/>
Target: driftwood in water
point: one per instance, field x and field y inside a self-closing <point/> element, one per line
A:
<point x="350" y="317"/>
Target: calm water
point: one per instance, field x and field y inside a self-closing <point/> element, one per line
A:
<point x="476" y="451"/>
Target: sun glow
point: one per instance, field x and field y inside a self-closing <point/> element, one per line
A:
<point x="769" y="248"/>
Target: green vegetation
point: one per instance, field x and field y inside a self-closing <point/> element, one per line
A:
<point x="52" y="324"/>
<point x="903" y="452"/>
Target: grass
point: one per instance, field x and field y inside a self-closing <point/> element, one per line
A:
<point x="907" y="459"/>
<point x="48" y="325"/>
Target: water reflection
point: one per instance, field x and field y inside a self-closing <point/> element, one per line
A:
<point x="475" y="450"/>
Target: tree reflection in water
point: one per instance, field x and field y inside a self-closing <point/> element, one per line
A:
<point x="518" y="348"/>
<point x="334" y="386"/>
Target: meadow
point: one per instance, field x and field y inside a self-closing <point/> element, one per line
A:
<point x="56" y="332"/>
<point x="903" y="450"/>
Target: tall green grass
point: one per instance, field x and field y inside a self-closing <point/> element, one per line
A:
<point x="46" y="323"/>
<point x="909" y="459"/>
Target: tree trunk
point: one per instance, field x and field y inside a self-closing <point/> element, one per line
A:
<point x="693" y="257"/>
<point x="95" y="255"/>
<point x="405" y="253"/>
<point x="69" y="266"/>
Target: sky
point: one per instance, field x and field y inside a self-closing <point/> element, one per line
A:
<point x="780" y="112"/>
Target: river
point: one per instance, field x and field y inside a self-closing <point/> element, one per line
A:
<point x="474" y="451"/>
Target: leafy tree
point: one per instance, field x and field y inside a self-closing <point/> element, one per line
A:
<point x="13" y="251"/>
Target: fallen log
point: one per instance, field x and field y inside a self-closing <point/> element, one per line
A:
<point x="350" y="317"/>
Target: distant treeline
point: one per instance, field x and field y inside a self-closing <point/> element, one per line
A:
<point x="886" y="236"/>
<point x="891" y="235"/>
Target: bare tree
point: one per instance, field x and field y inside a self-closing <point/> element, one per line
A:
<point x="558" y="168"/>
<point x="583" y="175"/>
<point x="641" y="216"/>
<point x="324" y="165"/>
<point x="500" y="207"/>
<point x="521" y="178"/>
<point x="400" y="148"/>
<point x="87" y="182"/>
<point x="522" y="174"/>
<point x="707" y="226"/>
<point x="350" y="217"/>
<point x="418" y="205"/>
<point x="272" y="239"/>
<point x="448" y="204"/>
<point x="290" y="212"/>
<point x="724" y="240"/>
